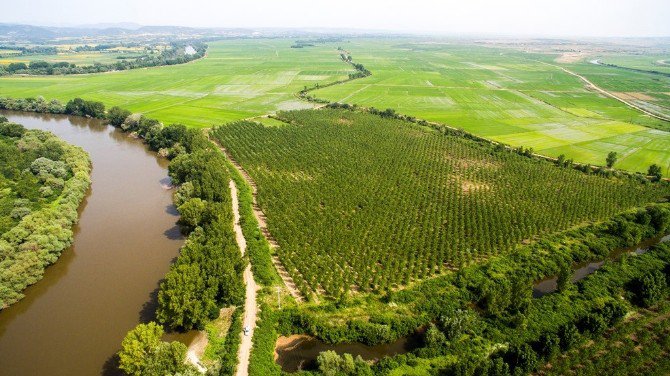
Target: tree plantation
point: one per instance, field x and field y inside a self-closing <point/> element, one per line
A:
<point x="268" y="202"/>
<point x="358" y="201"/>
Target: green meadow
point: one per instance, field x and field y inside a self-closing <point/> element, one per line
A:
<point x="513" y="97"/>
<point x="238" y="79"/>
<point x="506" y="96"/>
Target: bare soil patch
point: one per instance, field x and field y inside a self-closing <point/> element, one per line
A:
<point x="634" y="96"/>
<point x="571" y="57"/>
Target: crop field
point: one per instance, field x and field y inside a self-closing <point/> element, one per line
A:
<point x="503" y="95"/>
<point x="78" y="58"/>
<point x="237" y="79"/>
<point x="648" y="90"/>
<point x="334" y="184"/>
<point x="660" y="63"/>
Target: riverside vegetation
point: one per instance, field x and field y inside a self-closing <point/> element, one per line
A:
<point x="476" y="223"/>
<point x="42" y="182"/>
<point x="207" y="274"/>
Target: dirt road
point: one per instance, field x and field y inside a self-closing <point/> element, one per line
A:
<point x="262" y="224"/>
<point x="607" y="93"/>
<point x="250" y="307"/>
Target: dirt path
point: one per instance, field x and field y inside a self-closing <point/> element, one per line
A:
<point x="250" y="307"/>
<point x="262" y="224"/>
<point x="607" y="93"/>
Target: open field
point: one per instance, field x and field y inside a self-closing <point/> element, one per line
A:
<point x="660" y="63"/>
<point x="237" y="79"/>
<point x="504" y="95"/>
<point x="501" y="94"/>
<point x="334" y="184"/>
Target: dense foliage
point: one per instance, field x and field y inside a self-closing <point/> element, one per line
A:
<point x="76" y="107"/>
<point x="334" y="184"/>
<point x="483" y="320"/>
<point x="176" y="54"/>
<point x="638" y="347"/>
<point x="208" y="272"/>
<point x="42" y="182"/>
<point x="144" y="354"/>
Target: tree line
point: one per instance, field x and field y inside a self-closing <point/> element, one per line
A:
<point x="207" y="274"/>
<point x="176" y="54"/>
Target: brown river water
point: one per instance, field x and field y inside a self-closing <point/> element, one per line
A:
<point x="72" y="321"/>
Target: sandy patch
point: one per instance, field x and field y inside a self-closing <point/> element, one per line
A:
<point x="571" y="57"/>
<point x="344" y="121"/>
<point x="468" y="186"/>
<point x="466" y="163"/>
<point x="196" y="349"/>
<point x="631" y="96"/>
<point x="289" y="343"/>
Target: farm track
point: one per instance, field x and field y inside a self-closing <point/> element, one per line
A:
<point x="250" y="306"/>
<point x="262" y="224"/>
<point x="607" y="93"/>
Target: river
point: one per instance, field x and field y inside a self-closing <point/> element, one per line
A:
<point x="73" y="320"/>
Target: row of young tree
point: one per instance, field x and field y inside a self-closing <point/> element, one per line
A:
<point x="336" y="183"/>
<point x="175" y="54"/>
<point x="473" y="327"/>
<point x="42" y="182"/>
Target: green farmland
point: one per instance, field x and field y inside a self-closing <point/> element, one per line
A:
<point x="500" y="94"/>
<point x="506" y="96"/>
<point x="237" y="79"/>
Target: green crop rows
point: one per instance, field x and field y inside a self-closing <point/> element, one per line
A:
<point x="358" y="200"/>
<point x="504" y="95"/>
<point x="237" y="79"/>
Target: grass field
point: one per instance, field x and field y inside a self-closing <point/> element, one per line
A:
<point x="237" y="79"/>
<point x="334" y="184"/>
<point x="660" y="63"/>
<point x="505" y="96"/>
<point x="648" y="90"/>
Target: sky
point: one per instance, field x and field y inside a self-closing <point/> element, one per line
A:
<point x="595" y="18"/>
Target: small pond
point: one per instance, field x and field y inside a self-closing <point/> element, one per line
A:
<point x="299" y="352"/>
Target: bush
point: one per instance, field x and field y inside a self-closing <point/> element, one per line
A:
<point x="80" y="107"/>
<point x="649" y="288"/>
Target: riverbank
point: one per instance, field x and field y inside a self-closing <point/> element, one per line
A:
<point x="110" y="273"/>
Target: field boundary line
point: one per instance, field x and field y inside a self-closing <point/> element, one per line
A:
<point x="262" y="225"/>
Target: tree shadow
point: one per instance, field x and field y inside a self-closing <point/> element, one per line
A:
<point x="111" y="367"/>
<point x="148" y="311"/>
